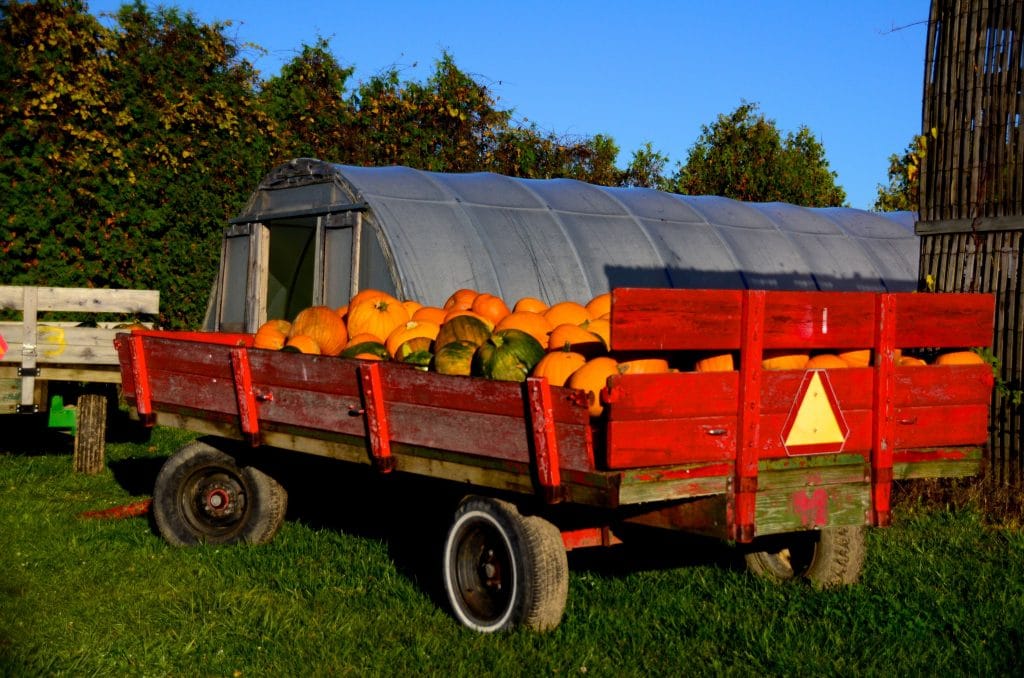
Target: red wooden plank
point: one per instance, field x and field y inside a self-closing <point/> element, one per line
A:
<point x="545" y="441"/>
<point x="943" y="385"/>
<point x="749" y="421"/>
<point x="883" y="429"/>
<point x="818" y="320"/>
<point x="377" y="428"/>
<point x="666" y="319"/>
<point x="472" y="394"/>
<point x="245" y="396"/>
<point x="193" y="391"/>
<point x="301" y="408"/>
<point x="934" y="426"/>
<point x="944" y="319"/>
<point x="317" y="374"/>
<point x="672" y="395"/>
<point x="852" y="387"/>
<point x="657" y="442"/>
<point x="141" y="379"/>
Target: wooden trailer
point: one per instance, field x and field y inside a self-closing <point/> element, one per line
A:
<point x="40" y="352"/>
<point x="791" y="464"/>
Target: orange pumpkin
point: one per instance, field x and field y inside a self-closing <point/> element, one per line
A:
<point x="411" y="305"/>
<point x="368" y="294"/>
<point x="599" y="305"/>
<point x="530" y="304"/>
<point x="826" y="361"/>
<point x="410" y="330"/>
<point x="367" y="356"/>
<point x="490" y="307"/>
<point x="432" y="314"/>
<point x="644" y="366"/>
<point x="858" y="358"/>
<point x="959" y="358"/>
<point x="910" y="361"/>
<point x="324" y="326"/>
<point x="602" y="327"/>
<point x="362" y="338"/>
<point x="784" y="360"/>
<point x="342" y="312"/>
<point x="304" y="344"/>
<point x="269" y="336"/>
<point x="461" y="299"/>
<point x="280" y="324"/>
<point x="558" y="366"/>
<point x="716" y="363"/>
<point x="377" y="315"/>
<point x="534" y="324"/>
<point x="570" y="312"/>
<point x="567" y="337"/>
<point x="593" y="377"/>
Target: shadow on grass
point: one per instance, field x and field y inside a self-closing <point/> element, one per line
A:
<point x="29" y="435"/>
<point x="137" y="475"/>
<point x="411" y="516"/>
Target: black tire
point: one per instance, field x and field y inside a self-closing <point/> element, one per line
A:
<point x="203" y="496"/>
<point x="828" y="558"/>
<point x="503" y="570"/>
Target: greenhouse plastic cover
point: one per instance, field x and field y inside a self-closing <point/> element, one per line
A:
<point x="560" y="239"/>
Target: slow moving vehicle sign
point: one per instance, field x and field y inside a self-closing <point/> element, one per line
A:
<point x="816" y="424"/>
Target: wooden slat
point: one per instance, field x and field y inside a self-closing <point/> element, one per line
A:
<point x="943" y="320"/>
<point x="655" y="320"/>
<point x="87" y="300"/>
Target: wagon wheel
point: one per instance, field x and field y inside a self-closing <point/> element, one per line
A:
<point x="203" y="495"/>
<point x="503" y="570"/>
<point x="829" y="557"/>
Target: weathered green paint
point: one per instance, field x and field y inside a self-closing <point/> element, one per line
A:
<point x="793" y="509"/>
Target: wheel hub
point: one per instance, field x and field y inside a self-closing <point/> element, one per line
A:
<point x="219" y="500"/>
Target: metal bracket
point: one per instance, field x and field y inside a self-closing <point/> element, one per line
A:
<point x="28" y="371"/>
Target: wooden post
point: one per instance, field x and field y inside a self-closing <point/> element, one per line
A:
<point x="90" y="434"/>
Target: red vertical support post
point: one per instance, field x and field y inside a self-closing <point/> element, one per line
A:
<point x="376" y="416"/>
<point x="545" y="442"/>
<point x="883" y="418"/>
<point x="248" y="417"/>
<point x="749" y="429"/>
<point x="140" y="373"/>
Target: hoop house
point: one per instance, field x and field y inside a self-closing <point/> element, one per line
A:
<point x="315" y="233"/>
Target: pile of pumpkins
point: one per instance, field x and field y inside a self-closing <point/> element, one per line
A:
<point x="477" y="334"/>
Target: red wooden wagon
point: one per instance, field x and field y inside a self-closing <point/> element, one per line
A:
<point x="791" y="463"/>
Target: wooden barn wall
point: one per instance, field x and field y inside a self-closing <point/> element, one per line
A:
<point x="971" y="198"/>
<point x="974" y="101"/>
<point x="990" y="262"/>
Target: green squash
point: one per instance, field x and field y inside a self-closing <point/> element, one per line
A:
<point x="455" y="357"/>
<point x="509" y="355"/>
<point x="465" y="328"/>
<point x="372" y="347"/>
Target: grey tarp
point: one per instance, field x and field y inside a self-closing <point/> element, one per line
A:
<point x="563" y="239"/>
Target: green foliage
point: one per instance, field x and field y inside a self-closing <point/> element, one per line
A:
<point x="904" y="179"/>
<point x="647" y="169"/>
<point x="125" y="150"/>
<point x="743" y="155"/>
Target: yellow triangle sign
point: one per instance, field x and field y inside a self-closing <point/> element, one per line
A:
<point x="815" y="422"/>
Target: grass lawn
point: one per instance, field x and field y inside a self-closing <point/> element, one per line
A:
<point x="351" y="586"/>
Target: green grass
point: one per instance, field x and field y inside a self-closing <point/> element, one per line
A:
<point x="351" y="587"/>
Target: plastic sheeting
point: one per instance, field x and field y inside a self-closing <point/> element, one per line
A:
<point x="563" y="239"/>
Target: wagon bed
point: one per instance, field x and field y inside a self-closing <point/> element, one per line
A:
<point x="710" y="452"/>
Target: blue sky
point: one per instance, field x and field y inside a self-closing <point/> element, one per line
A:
<point x="640" y="71"/>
